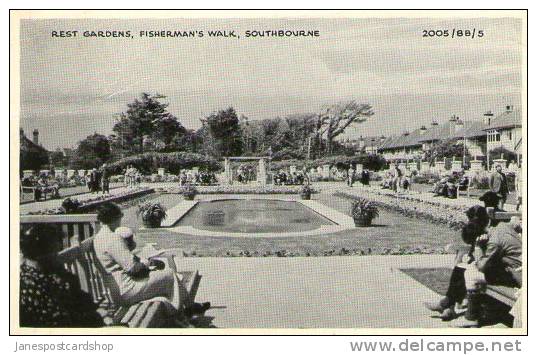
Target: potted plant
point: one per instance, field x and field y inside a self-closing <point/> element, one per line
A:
<point x="306" y="192"/>
<point x="71" y="205"/>
<point x="189" y="192"/>
<point x="152" y="214"/>
<point x="363" y="212"/>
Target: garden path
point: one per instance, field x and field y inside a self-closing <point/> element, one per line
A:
<point x="323" y="292"/>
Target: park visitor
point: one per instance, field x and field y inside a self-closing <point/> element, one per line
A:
<point x="49" y="295"/>
<point x="135" y="279"/>
<point x="498" y="185"/>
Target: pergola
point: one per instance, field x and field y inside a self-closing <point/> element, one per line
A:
<point x="261" y="168"/>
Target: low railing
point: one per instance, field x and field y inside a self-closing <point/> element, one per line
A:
<point x="76" y="227"/>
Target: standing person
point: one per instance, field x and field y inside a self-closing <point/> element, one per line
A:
<point x="126" y="176"/>
<point x="498" y="185"/>
<point x="49" y="295"/>
<point x="351" y="176"/>
<point x="93" y="180"/>
<point x="397" y="179"/>
<point x="105" y="179"/>
<point x="365" y="177"/>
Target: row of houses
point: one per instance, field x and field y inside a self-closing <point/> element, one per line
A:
<point x="479" y="136"/>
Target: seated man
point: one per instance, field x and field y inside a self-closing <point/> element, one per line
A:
<point x="457" y="286"/>
<point x="440" y="189"/>
<point x="498" y="257"/>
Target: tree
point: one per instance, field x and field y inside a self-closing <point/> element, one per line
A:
<point x="57" y="158"/>
<point x="502" y="152"/>
<point x="333" y="120"/>
<point x="446" y="149"/>
<point x="92" y="152"/>
<point x="147" y="121"/>
<point x="223" y="133"/>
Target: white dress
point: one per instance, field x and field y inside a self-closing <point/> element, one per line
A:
<point x="117" y="260"/>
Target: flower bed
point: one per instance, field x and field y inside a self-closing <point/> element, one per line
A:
<point x="414" y="207"/>
<point x="283" y="253"/>
<point x="92" y="202"/>
<point x="238" y="189"/>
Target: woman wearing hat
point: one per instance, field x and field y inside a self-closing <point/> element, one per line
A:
<point x="133" y="280"/>
<point x="49" y="295"/>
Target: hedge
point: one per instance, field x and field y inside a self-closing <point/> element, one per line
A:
<point x="173" y="162"/>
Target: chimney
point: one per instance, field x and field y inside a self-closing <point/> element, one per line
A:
<point x="509" y="108"/>
<point x="434" y="123"/>
<point x="423" y="129"/>
<point x="36" y="137"/>
<point x="487" y="117"/>
<point x="406" y="133"/>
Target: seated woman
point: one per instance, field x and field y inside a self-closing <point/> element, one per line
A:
<point x="134" y="280"/>
<point x="49" y="295"/>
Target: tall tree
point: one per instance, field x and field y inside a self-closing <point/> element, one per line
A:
<point x="147" y="121"/>
<point x="334" y="119"/>
<point x="91" y="152"/>
<point x="223" y="133"/>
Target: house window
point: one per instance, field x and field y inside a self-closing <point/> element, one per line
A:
<point x="498" y="137"/>
<point x="510" y="134"/>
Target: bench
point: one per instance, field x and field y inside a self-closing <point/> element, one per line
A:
<point x="81" y="261"/>
<point x="79" y="258"/>
<point x="466" y="187"/>
<point x="37" y="191"/>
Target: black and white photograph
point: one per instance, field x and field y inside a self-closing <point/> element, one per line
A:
<point x="309" y="172"/>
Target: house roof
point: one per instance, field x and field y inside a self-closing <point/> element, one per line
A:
<point x="469" y="129"/>
<point x="26" y="145"/>
<point x="507" y="119"/>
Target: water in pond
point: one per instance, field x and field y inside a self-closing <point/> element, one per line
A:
<point x="253" y="216"/>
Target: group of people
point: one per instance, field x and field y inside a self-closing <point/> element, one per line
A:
<point x="98" y="180"/>
<point x="493" y="256"/>
<point x="284" y="178"/>
<point x="352" y="176"/>
<point x="197" y="178"/>
<point x="133" y="177"/>
<point x="52" y="297"/>
<point x="42" y="185"/>
<point x="450" y="184"/>
<point x="396" y="180"/>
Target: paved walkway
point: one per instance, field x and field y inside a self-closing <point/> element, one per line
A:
<point x="322" y="292"/>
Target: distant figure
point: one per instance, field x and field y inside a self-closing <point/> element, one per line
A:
<point x="498" y="185"/>
<point x="351" y="176"/>
<point x="365" y="177"/>
<point x="105" y="180"/>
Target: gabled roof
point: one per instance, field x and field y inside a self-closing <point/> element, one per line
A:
<point x="507" y="119"/>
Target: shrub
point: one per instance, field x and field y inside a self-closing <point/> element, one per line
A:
<point x="189" y="192"/>
<point x="364" y="208"/>
<point x="71" y="205"/>
<point x="172" y="162"/>
<point x="152" y="213"/>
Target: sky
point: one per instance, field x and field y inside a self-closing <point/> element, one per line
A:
<point x="73" y="87"/>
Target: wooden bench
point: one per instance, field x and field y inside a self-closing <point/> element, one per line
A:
<point x="82" y="261"/>
<point x="503" y="294"/>
<point x="36" y="191"/>
<point x="79" y="258"/>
